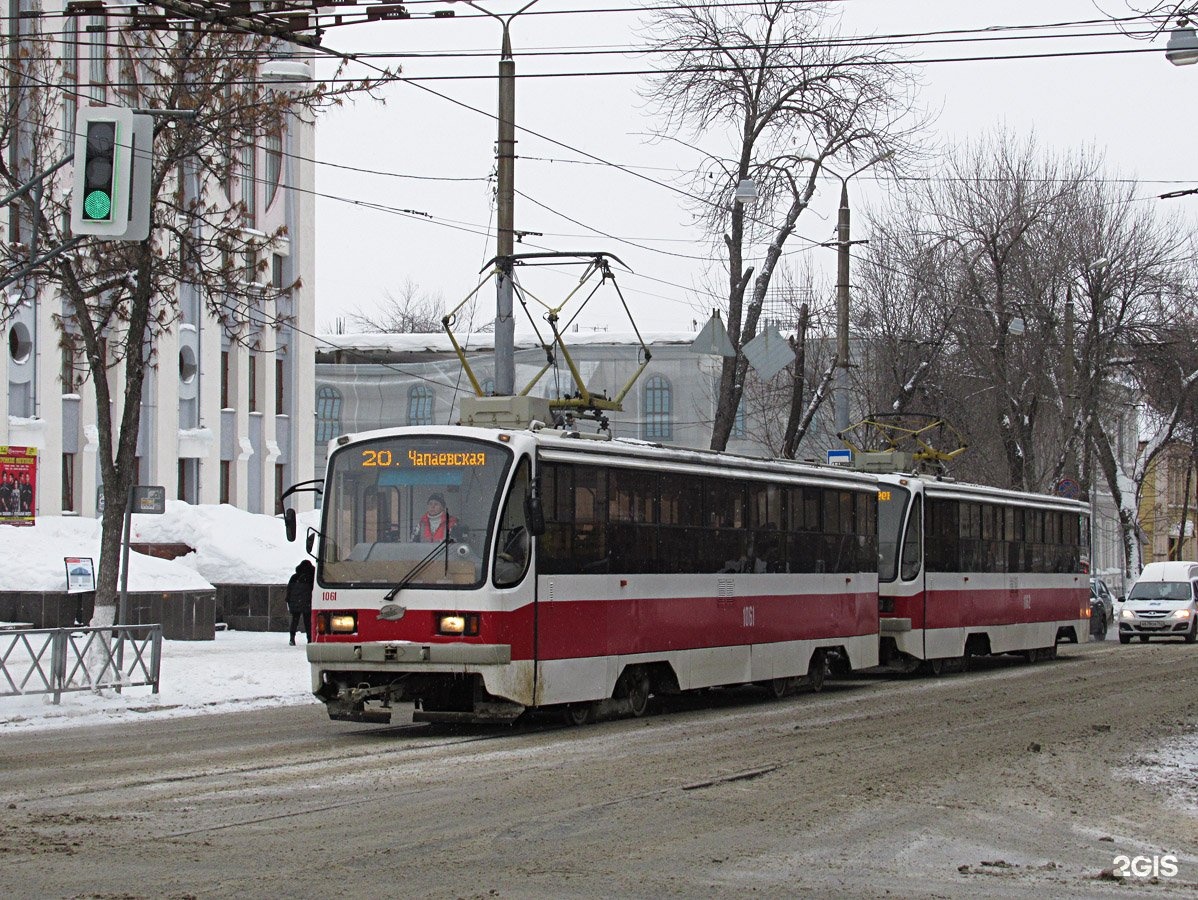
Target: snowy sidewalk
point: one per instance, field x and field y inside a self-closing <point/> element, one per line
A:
<point x="239" y="670"/>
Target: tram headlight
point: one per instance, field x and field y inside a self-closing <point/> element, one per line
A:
<point x="343" y="623"/>
<point x="458" y="624"/>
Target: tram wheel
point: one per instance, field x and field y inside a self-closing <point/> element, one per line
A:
<point x="578" y="714"/>
<point x="816" y="671"/>
<point x="636" y="690"/>
<point x="780" y="687"/>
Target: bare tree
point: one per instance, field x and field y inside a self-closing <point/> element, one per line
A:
<point x="410" y="310"/>
<point x="787" y="100"/>
<point x="118" y="297"/>
<point x="1023" y="296"/>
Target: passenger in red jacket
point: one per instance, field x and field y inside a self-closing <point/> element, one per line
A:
<point x="436" y="522"/>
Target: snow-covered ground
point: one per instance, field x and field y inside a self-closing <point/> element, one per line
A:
<point x="239" y="670"/>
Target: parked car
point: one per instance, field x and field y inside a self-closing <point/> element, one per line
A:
<point x="1162" y="603"/>
<point x="1102" y="608"/>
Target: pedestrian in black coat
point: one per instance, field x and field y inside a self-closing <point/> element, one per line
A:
<point x="299" y="598"/>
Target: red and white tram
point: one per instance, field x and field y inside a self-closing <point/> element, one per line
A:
<point x="977" y="571"/>
<point x="579" y="574"/>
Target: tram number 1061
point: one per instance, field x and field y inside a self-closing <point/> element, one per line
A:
<point x="749" y="614"/>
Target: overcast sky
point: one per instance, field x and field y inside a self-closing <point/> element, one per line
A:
<point x="430" y="149"/>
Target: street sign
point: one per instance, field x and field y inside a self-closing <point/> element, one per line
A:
<point x="840" y="457"/>
<point x="149" y="499"/>
<point x="1067" y="487"/>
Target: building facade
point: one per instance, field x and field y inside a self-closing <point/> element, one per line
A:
<point x="227" y="406"/>
<point x="1168" y="504"/>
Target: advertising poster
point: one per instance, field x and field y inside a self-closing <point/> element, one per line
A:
<point x="81" y="574"/>
<point x="18" y="485"/>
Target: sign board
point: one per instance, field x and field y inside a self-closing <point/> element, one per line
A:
<point x="149" y="499"/>
<point x="1067" y="487"/>
<point x="769" y="353"/>
<point x="18" y="485"/>
<point x="81" y="574"/>
<point x="840" y="457"/>
<point x="713" y="339"/>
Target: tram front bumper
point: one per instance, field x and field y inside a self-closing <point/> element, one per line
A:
<point x="384" y="654"/>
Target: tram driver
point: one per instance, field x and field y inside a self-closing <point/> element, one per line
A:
<point x="436" y="524"/>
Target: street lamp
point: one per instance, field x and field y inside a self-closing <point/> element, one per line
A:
<point x="505" y="323"/>
<point x="840" y="385"/>
<point x="1182" y="49"/>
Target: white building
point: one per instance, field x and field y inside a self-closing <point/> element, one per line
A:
<point x="221" y="423"/>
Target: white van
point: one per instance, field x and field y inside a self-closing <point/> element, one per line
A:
<point x="1162" y="603"/>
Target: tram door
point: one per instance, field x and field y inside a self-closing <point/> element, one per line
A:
<point x="911" y="562"/>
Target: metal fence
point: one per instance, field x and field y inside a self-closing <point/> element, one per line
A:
<point x="57" y="660"/>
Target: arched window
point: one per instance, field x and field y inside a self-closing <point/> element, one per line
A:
<point x="273" y="145"/>
<point x="420" y="405"/>
<point x="657" y="406"/>
<point x="328" y="413"/>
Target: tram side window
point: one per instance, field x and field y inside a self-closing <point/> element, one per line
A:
<point x="913" y="543"/>
<point x="632" y="517"/>
<point x="575" y="538"/>
<point x="726" y="538"/>
<point x="943" y="536"/>
<point x="1071" y="536"/>
<point x="680" y="534"/>
<point x="672" y="522"/>
<point x="513" y="550"/>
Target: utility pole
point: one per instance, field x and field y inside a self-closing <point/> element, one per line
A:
<point x="505" y="323"/>
<point x="505" y="202"/>
<point x="1070" y="378"/>
<point x="841" y="384"/>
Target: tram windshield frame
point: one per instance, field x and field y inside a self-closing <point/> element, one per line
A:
<point x="375" y="530"/>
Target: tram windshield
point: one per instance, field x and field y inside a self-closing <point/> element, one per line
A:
<point x="892" y="503"/>
<point x="411" y="510"/>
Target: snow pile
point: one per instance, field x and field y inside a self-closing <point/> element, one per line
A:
<point x="231" y="547"/>
<point x="31" y="558"/>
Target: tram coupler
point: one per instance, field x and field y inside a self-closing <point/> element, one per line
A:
<point x="346" y="704"/>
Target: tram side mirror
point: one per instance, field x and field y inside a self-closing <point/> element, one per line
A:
<point x="310" y="542"/>
<point x="534" y="514"/>
<point x="289" y="524"/>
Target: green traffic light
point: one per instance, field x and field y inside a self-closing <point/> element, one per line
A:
<point x="97" y="205"/>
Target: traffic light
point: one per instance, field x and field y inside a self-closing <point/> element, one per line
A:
<point x="113" y="156"/>
<point x="99" y="171"/>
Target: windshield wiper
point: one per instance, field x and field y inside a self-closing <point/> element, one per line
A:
<point x="418" y="568"/>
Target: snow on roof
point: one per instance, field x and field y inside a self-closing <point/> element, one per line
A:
<point x="231" y="547"/>
<point x="438" y="342"/>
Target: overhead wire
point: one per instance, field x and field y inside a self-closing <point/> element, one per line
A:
<point x="594" y="160"/>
